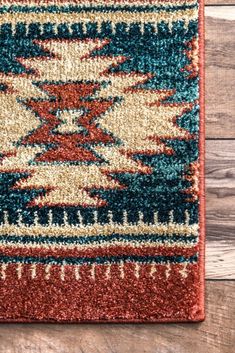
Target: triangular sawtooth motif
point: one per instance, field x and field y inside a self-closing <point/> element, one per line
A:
<point x="69" y="146"/>
<point x="117" y="119"/>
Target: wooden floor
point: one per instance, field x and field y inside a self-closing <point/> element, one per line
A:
<point x="217" y="333"/>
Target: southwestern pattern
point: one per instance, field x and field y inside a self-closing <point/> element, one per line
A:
<point x="101" y="164"/>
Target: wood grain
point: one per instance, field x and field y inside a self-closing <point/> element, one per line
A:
<point x="215" y="335"/>
<point x="220" y="263"/>
<point x="223" y="12"/>
<point x="219" y="2"/>
<point x="220" y="186"/>
<point x="220" y="72"/>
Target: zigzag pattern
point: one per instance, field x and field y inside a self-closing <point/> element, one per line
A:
<point x="99" y="161"/>
<point x="140" y="117"/>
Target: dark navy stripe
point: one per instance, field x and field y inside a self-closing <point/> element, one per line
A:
<point x="100" y="239"/>
<point x="76" y="8"/>
<point x="97" y="260"/>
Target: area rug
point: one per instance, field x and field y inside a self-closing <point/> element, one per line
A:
<point x="101" y="168"/>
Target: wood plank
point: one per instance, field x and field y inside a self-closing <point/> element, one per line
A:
<point x="219" y="2"/>
<point x="222" y="12"/>
<point x="220" y="186"/>
<point x="220" y="219"/>
<point x="215" y="335"/>
<point x="220" y="260"/>
<point x="220" y="71"/>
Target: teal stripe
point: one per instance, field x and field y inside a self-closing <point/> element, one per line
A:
<point x="98" y="239"/>
<point x="75" y="8"/>
<point x="97" y="260"/>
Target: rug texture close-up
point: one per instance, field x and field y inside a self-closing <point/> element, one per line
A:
<point x="101" y="161"/>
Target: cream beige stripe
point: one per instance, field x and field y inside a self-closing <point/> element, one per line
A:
<point x="99" y="229"/>
<point x="99" y="2"/>
<point x="133" y="243"/>
<point x="99" y="17"/>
